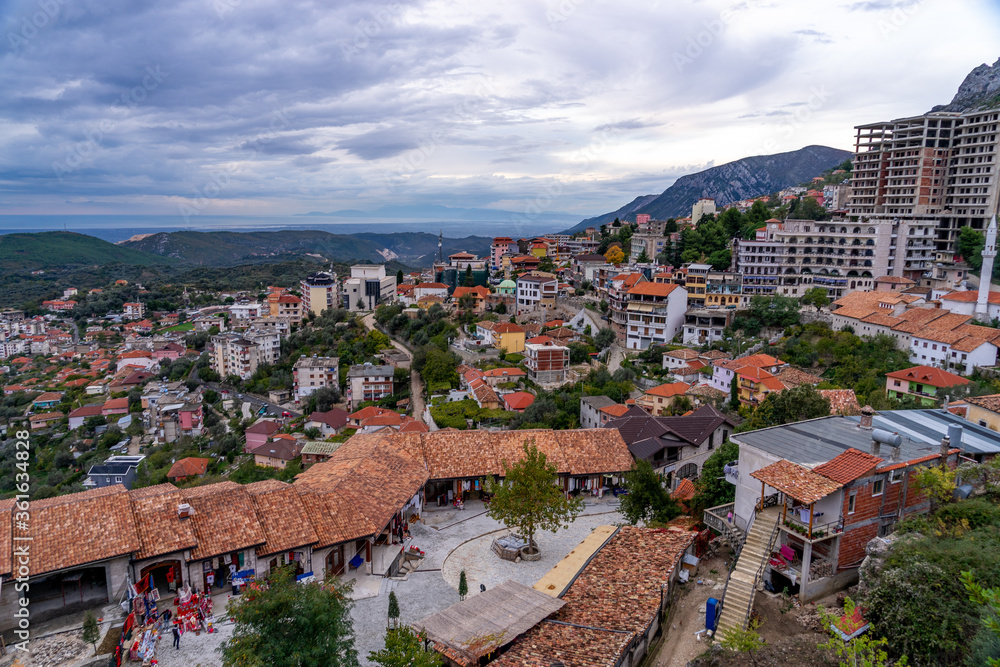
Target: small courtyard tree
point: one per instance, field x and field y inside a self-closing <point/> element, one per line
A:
<point x="404" y="648"/>
<point x="393" y="610"/>
<point x="463" y="585"/>
<point x="91" y="632"/>
<point x="746" y="641"/>
<point x="647" y="500"/>
<point x="529" y="500"/>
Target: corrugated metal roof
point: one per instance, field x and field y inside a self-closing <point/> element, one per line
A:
<point x="931" y="425"/>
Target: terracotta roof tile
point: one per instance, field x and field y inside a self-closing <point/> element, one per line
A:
<point x="282" y="515"/>
<point x="668" y="390"/>
<point x="797" y="481"/>
<point x="160" y="529"/>
<point x="849" y="466"/>
<point x="990" y="402"/>
<point x="224" y="519"/>
<point x="935" y="377"/>
<point x="6" y="537"/>
<point x="81" y="528"/>
<point x="191" y="466"/>
<point x="842" y="401"/>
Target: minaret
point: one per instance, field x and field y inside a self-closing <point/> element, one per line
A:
<point x="441" y="244"/>
<point x="989" y="254"/>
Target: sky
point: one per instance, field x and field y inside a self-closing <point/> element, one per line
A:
<point x="254" y="107"/>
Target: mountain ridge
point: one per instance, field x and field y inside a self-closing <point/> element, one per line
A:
<point x="747" y="177"/>
<point x="979" y="90"/>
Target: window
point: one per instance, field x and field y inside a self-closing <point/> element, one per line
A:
<point x="850" y="503"/>
<point x="896" y="476"/>
<point x="878" y="487"/>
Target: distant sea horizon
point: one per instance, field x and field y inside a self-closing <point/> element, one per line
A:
<point x="115" y="228"/>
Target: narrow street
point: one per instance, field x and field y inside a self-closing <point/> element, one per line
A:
<point x="416" y="384"/>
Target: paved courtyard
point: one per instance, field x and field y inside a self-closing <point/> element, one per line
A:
<point x="453" y="540"/>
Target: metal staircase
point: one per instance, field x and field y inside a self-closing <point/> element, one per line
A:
<point x="741" y="587"/>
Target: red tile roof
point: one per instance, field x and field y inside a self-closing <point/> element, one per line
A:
<point x="934" y="377"/>
<point x="797" y="481"/>
<point x="670" y="389"/>
<point x="190" y="466"/>
<point x="849" y="466"/>
<point x="518" y="400"/>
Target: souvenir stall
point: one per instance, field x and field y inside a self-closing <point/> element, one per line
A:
<point x="143" y="626"/>
<point x="194" y="611"/>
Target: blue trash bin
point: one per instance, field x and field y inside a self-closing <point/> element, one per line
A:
<point x="711" y="611"/>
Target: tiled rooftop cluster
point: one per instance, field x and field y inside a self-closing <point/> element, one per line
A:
<point x="616" y="596"/>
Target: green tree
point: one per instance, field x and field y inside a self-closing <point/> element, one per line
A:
<point x="643" y="258"/>
<point x="529" y="499"/>
<point x="989" y="598"/>
<point x="360" y="305"/>
<point x="970" y="244"/>
<point x="711" y="488"/>
<point x="470" y="281"/>
<point x="399" y="277"/>
<point x="746" y="641"/>
<point x="816" y="296"/>
<point x="734" y="393"/>
<point x="393" y="610"/>
<point x="404" y="648"/>
<point x="463" y="585"/>
<point x="647" y="500"/>
<point x="91" y="631"/>
<point x="604" y="338"/>
<point x="438" y="368"/>
<point x="281" y="622"/>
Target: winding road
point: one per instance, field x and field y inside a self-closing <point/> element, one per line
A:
<point x="416" y="383"/>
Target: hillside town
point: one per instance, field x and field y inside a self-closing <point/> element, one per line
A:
<point x="800" y="374"/>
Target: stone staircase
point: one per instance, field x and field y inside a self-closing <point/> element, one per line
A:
<point x="742" y="585"/>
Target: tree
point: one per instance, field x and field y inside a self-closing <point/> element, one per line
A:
<point x="393" y="610"/>
<point x="463" y="585"/>
<point x="399" y="277"/>
<point x="643" y="258"/>
<point x="404" y="648"/>
<point x="862" y="651"/>
<point x="281" y="622"/>
<point x="746" y="641"/>
<point x="816" y="296"/>
<point x="529" y="499"/>
<point x="438" y="367"/>
<point x="989" y="598"/>
<point x="615" y="256"/>
<point x="605" y="338"/>
<point x="711" y="488"/>
<point x="470" y="281"/>
<point x="970" y="244"/>
<point x="91" y="632"/>
<point x="647" y="500"/>
<point x="360" y="305"/>
<point x="734" y="393"/>
<point x="938" y="483"/>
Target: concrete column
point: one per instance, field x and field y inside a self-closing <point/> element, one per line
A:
<point x="807" y="553"/>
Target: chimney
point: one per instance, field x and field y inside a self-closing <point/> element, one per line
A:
<point x="945" y="446"/>
<point x="184" y="511"/>
<point x="867" y="414"/>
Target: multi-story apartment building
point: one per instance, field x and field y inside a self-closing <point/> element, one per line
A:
<point x="616" y="287"/>
<point x="649" y="242"/>
<point x="702" y="207"/>
<point x="501" y="246"/>
<point x="133" y="310"/>
<point x="536" y="291"/>
<point x="940" y="166"/>
<point x="790" y="257"/>
<point x="367" y="382"/>
<point x="696" y="283"/>
<point x="243" y="313"/>
<point x="312" y="373"/>
<point x="836" y="197"/>
<point x="289" y="307"/>
<point x="546" y="360"/>
<point x="723" y="289"/>
<point x="653" y="314"/>
<point x="319" y="292"/>
<point x="241" y="354"/>
<point x="367" y="287"/>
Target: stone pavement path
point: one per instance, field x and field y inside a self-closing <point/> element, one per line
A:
<point x="452" y="539"/>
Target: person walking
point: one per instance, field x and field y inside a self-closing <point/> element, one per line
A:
<point x="177" y="637"/>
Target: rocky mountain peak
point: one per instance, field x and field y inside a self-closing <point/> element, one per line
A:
<point x="980" y="90"/>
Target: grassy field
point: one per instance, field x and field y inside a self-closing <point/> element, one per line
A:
<point x="186" y="326"/>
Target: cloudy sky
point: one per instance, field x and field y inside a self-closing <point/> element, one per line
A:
<point x="259" y="107"/>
